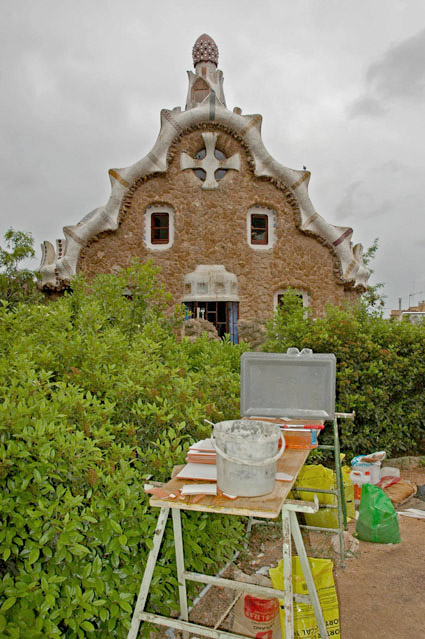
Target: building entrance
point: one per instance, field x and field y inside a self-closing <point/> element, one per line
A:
<point x="224" y="316"/>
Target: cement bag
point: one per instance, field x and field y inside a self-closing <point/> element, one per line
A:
<point x="252" y="616"/>
<point x="377" y="520"/>
<point x="398" y="490"/>
<point x="305" y="624"/>
<point x="318" y="476"/>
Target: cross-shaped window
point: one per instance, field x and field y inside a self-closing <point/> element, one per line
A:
<point x="210" y="164"/>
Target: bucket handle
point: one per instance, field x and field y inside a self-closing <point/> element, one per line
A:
<point x="265" y="462"/>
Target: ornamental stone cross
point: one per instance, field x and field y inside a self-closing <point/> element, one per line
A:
<point x="210" y="163"/>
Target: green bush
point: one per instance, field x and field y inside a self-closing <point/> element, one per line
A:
<point x="380" y="372"/>
<point x="98" y="395"/>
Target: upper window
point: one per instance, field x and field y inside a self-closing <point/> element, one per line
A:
<point x="261" y="224"/>
<point x="259" y="228"/>
<point x="159" y="226"/>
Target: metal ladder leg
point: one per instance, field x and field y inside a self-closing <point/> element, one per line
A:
<point x="287" y="575"/>
<point x="342" y="512"/>
<point x="299" y="545"/>
<point x="178" y="545"/>
<point x="147" y="575"/>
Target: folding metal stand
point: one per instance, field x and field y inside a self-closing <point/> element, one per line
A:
<point x="297" y="386"/>
<point x="267" y="507"/>
<point x="338" y="491"/>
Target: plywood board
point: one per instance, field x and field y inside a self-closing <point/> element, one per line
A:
<point x="267" y="506"/>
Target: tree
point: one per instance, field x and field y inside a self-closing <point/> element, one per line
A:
<point x="373" y="297"/>
<point x="17" y="285"/>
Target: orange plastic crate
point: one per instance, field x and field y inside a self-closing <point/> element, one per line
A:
<point x="302" y="439"/>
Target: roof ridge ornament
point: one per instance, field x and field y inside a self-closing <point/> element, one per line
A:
<point x="205" y="50"/>
<point x="206" y="79"/>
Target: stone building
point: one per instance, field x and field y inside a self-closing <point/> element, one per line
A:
<point x="414" y="314"/>
<point x="230" y="227"/>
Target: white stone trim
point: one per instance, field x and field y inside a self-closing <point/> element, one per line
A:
<point x="210" y="283"/>
<point x="158" y="208"/>
<point x="57" y="269"/>
<point x="271" y="227"/>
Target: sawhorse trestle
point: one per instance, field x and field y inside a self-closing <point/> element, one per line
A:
<point x="290" y="528"/>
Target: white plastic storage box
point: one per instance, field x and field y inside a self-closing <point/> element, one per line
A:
<point x="300" y="386"/>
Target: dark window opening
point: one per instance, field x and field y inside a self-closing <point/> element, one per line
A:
<point x="201" y="154"/>
<point x="224" y="316"/>
<point x="259" y="229"/>
<point x="201" y="174"/>
<point x="219" y="154"/>
<point x="160" y="228"/>
<point x="281" y="296"/>
<point x="219" y="174"/>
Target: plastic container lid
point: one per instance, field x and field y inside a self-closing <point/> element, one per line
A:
<point x="300" y="386"/>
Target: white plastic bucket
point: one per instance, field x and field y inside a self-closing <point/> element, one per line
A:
<point x="247" y="452"/>
<point x="374" y="469"/>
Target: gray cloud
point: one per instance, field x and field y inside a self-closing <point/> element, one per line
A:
<point x="399" y="75"/>
<point x="368" y="106"/>
<point x="82" y="85"/>
<point x="357" y="202"/>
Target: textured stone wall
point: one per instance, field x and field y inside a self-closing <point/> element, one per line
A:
<point x="210" y="228"/>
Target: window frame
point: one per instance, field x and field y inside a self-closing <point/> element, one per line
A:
<point x="152" y="243"/>
<point x="257" y="229"/>
<point x="160" y="214"/>
<point x="303" y="294"/>
<point x="271" y="221"/>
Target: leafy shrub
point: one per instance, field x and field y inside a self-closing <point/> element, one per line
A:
<point x="97" y="395"/>
<point x="380" y="372"/>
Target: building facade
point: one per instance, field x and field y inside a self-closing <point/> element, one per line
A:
<point x="230" y="227"/>
<point x="413" y="314"/>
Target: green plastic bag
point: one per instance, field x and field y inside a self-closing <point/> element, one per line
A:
<point x="377" y="518"/>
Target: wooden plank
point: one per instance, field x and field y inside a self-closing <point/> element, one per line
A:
<point x="267" y="506"/>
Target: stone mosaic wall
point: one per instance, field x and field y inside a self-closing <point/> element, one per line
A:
<point x="210" y="228"/>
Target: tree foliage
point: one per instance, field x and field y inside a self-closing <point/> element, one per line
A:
<point x="373" y="298"/>
<point x="17" y="284"/>
<point x="97" y="395"/>
<point x="380" y="371"/>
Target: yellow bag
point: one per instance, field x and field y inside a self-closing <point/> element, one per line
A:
<point x="318" y="476"/>
<point x="305" y="624"/>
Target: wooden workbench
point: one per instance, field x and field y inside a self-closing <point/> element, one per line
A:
<point x="267" y="506"/>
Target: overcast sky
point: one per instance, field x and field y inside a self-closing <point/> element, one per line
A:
<point x="340" y="85"/>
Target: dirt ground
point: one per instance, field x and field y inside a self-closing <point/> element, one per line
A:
<point x="381" y="590"/>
